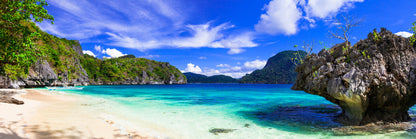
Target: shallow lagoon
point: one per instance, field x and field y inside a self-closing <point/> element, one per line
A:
<point x="248" y="110"/>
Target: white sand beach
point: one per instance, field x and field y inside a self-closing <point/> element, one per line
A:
<point x="53" y="115"/>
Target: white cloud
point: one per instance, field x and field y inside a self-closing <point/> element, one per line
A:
<point x="150" y="56"/>
<point x="284" y="16"/>
<point x="226" y="69"/>
<point x="223" y="65"/>
<point x="404" y="34"/>
<point x="144" y="25"/>
<point x="113" y="53"/>
<point x="325" y="8"/>
<point x="235" y="43"/>
<point x="97" y="48"/>
<point x="202" y="35"/>
<point x="192" y="68"/>
<point x="129" y="42"/>
<point x="235" y="51"/>
<point x="414" y="14"/>
<point x="256" y="64"/>
<point x="202" y="57"/>
<point x="88" y="52"/>
<point x="281" y="17"/>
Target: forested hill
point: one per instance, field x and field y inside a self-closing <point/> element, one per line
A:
<point x="130" y="70"/>
<point x="198" y="78"/>
<point x="60" y="62"/>
<point x="279" y="70"/>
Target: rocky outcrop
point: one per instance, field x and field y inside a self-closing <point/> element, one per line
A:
<point x="371" y="81"/>
<point x="42" y="74"/>
<point x="81" y="80"/>
<point x="145" y="79"/>
<point x="6" y="97"/>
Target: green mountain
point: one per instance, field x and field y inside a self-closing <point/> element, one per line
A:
<point x="130" y="70"/>
<point x="198" y="78"/>
<point x="279" y="70"/>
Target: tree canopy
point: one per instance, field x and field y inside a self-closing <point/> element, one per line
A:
<point x="17" y="36"/>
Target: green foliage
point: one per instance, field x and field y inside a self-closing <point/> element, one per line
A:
<point x="298" y="58"/>
<point x="198" y="78"/>
<point x="365" y="54"/>
<point x="412" y="39"/>
<point x="278" y="70"/>
<point x="17" y="37"/>
<point x="376" y="36"/>
<point x="127" y="68"/>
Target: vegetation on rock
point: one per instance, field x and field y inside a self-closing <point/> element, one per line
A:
<point x="372" y="81"/>
<point x="130" y="70"/>
<point x="278" y="70"/>
<point x="19" y="49"/>
<point x="198" y="78"/>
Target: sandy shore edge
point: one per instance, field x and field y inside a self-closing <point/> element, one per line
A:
<point x="54" y="115"/>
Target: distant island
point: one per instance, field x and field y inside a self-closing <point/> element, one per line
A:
<point x="198" y="78"/>
<point x="278" y="70"/>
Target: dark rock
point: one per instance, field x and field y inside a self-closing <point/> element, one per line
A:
<point x="5" y="97"/>
<point x="247" y="125"/>
<point x="373" y="128"/>
<point x="216" y="131"/>
<point x="77" y="48"/>
<point x="372" y="81"/>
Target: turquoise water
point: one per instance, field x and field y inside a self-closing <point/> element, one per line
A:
<point x="251" y="110"/>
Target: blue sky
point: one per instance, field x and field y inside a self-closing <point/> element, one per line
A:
<point x="231" y="37"/>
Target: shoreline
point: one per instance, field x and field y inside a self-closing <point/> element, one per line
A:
<point x="56" y="115"/>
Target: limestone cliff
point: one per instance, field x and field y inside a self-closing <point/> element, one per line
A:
<point x="371" y="81"/>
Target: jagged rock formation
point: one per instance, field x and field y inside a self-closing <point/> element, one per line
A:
<point x="372" y="81"/>
<point x="279" y="69"/>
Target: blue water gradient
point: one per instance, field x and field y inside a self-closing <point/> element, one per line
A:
<point x="261" y="108"/>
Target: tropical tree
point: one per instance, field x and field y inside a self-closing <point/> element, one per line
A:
<point x="344" y="23"/>
<point x="18" y="49"/>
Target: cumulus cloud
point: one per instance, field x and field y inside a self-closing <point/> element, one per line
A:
<point x="97" y="48"/>
<point x="284" y="16"/>
<point x="88" y="52"/>
<point x="325" y="8"/>
<point x="113" y="53"/>
<point x="192" y="68"/>
<point x="404" y="34"/>
<point x="281" y="17"/>
<point x="226" y="69"/>
<point x="256" y="64"/>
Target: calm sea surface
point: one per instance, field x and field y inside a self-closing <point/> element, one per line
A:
<point x="249" y="110"/>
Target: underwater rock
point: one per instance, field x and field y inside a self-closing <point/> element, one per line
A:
<point x="373" y="128"/>
<point x="372" y="81"/>
<point x="215" y="131"/>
